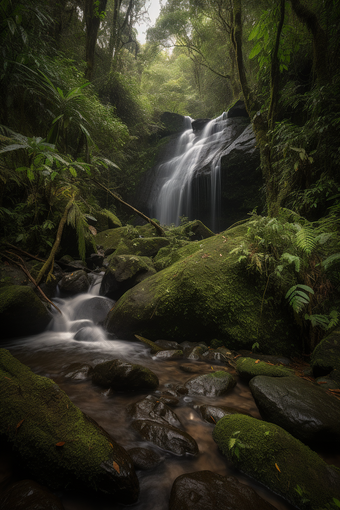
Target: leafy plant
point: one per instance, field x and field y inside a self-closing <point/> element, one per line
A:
<point x="298" y="296"/>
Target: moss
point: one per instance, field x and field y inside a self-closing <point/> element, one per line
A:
<point x="276" y="459"/>
<point x="325" y="358"/>
<point x="248" y="368"/>
<point x="206" y="294"/>
<point x="110" y="239"/>
<point x="21" y="311"/>
<point x="147" y="246"/>
<point x="37" y="415"/>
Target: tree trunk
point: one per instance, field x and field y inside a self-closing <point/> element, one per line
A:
<point x="92" y="13"/>
<point x="320" y="43"/>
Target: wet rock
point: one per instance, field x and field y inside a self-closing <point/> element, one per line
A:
<point x="325" y="359"/>
<point x="88" y="334"/>
<point x="95" y="308"/>
<point x="196" y="353"/>
<point x="303" y="409"/>
<point x="210" y="385"/>
<point x="123" y="273"/>
<point x="275" y="360"/>
<point x="205" y="490"/>
<point x="21" y="312"/>
<point x="168" y="344"/>
<point x="247" y="368"/>
<point x="213" y="414"/>
<point x="166" y="437"/>
<point x="279" y="461"/>
<point x="123" y="376"/>
<point x="144" y="459"/>
<point x="172" y="123"/>
<point x="51" y="437"/>
<point x="169" y="400"/>
<point x="169" y="354"/>
<point x="192" y="368"/>
<point x="94" y="260"/>
<point x="29" y="495"/>
<point x="237" y="110"/>
<point x="153" y="409"/>
<point x="74" y="283"/>
<point x="78" y="371"/>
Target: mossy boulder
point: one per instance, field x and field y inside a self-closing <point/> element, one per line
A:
<point x="143" y="246"/>
<point x="110" y="239"/>
<point x="247" y="368"/>
<point x="273" y="457"/>
<point x="195" y="230"/>
<point x="105" y="220"/>
<point x="22" y="313"/>
<point x="123" y="376"/>
<point x="56" y="442"/>
<point x="302" y="408"/>
<point x="209" y="385"/>
<point x="206" y="295"/>
<point x="325" y="359"/>
<point x="123" y="273"/>
<point x="75" y="283"/>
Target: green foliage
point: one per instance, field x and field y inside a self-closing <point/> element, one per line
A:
<point x="298" y="296"/>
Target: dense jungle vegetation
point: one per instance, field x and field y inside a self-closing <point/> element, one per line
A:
<point x="81" y="101"/>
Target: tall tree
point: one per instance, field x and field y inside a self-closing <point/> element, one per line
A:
<point x="94" y="13"/>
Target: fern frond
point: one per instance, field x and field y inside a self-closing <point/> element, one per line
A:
<point x="329" y="261"/>
<point x="297" y="296"/>
<point x="292" y="259"/>
<point x="306" y="240"/>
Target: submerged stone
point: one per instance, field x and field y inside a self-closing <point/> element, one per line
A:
<point x="153" y="409"/>
<point x="144" y="458"/>
<point x="205" y="490"/>
<point x="55" y="441"/>
<point x="166" y="437"/>
<point x="273" y="457"/>
<point x="210" y="385"/>
<point x="123" y="376"/>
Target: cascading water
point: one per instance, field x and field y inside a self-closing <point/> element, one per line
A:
<point x="174" y="194"/>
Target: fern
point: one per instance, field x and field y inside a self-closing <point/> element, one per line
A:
<point x="306" y="239"/>
<point x="77" y="220"/>
<point x="297" y="296"/>
<point x="329" y="261"/>
<point x="292" y="259"/>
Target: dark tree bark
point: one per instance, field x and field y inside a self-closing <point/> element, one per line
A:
<point x="92" y="13"/>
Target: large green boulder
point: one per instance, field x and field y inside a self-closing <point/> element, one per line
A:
<point x="247" y="368"/>
<point x="206" y="295"/>
<point x="22" y="313"/>
<point x="55" y="441"/>
<point x="270" y="455"/>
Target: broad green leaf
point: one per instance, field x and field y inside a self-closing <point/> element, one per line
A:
<point x="256" y="50"/>
<point x="72" y="171"/>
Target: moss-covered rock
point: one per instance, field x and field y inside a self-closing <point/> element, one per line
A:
<point x="210" y="385"/>
<point x="203" y="296"/>
<point x="21" y="312"/>
<point x="325" y="359"/>
<point x="110" y="239"/>
<point x="105" y="220"/>
<point x="58" y="444"/>
<point x="124" y="376"/>
<point x="247" y="368"/>
<point x="273" y="457"/>
<point x="143" y="246"/>
<point x="75" y="283"/>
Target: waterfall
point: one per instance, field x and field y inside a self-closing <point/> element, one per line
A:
<point x="174" y="193"/>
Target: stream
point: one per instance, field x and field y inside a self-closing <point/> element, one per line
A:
<point x="52" y="352"/>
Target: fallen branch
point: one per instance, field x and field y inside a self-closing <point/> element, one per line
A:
<point x="149" y="220"/>
<point x="23" y="252"/>
<point x="28" y="274"/>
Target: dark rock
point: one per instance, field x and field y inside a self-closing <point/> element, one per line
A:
<point x="213" y="414"/>
<point x="78" y="371"/>
<point x="279" y="461"/>
<point x="75" y="283"/>
<point x="21" y="312"/>
<point x="95" y="260"/>
<point x="153" y="409"/>
<point x="210" y="385"/>
<point x="195" y="353"/>
<point x="205" y="490"/>
<point x="169" y="400"/>
<point x="29" y="495"/>
<point x="95" y="309"/>
<point x="166" y="437"/>
<point x="303" y="409"/>
<point x="199" y="124"/>
<point x="192" y="368"/>
<point x="123" y="376"/>
<point x="51" y="437"/>
<point x="325" y="359"/>
<point x="238" y="110"/>
<point x="144" y="459"/>
<point x="88" y="334"/>
<point x="167" y="344"/>
<point x="169" y="354"/>
<point x="172" y="123"/>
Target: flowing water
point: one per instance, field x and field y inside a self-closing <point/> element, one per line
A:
<point x="174" y="195"/>
<point x="52" y="352"/>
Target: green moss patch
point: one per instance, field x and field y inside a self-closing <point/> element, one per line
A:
<point x="247" y="368"/>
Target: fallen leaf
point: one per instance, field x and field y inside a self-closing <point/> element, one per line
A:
<point x="111" y="445"/>
<point x="322" y="382"/>
<point x="8" y="378"/>
<point x="61" y="443"/>
<point x="212" y="419"/>
<point x="212" y="368"/>
<point x="257" y="361"/>
<point x="277" y="467"/>
<point x="20" y="423"/>
<point x="116" y="467"/>
<point x="237" y="356"/>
